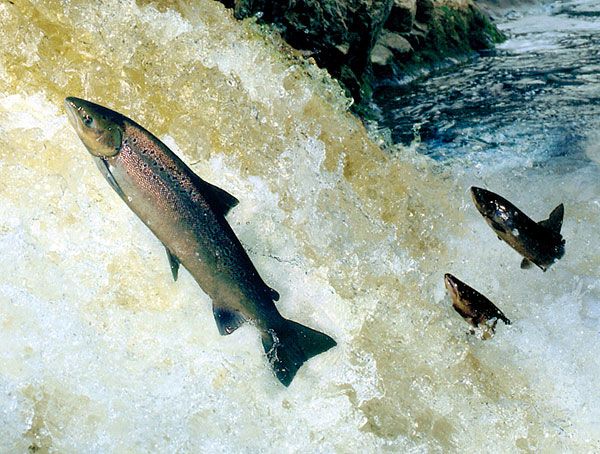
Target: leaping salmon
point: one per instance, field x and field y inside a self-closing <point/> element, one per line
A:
<point x="187" y="214"/>
<point x="474" y="307"/>
<point x="538" y="242"/>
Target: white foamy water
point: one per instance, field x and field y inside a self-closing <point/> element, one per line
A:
<point x="101" y="352"/>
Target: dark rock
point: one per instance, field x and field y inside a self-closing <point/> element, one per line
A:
<point x="340" y="33"/>
<point x="394" y="42"/>
<point x="425" y="10"/>
<point x="402" y="16"/>
<point x="381" y="55"/>
<point x="346" y="36"/>
<point x="418" y="35"/>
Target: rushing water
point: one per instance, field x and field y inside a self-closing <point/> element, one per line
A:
<point x="536" y="97"/>
<point x="101" y="352"/>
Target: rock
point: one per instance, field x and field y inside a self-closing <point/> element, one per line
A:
<point x="381" y="55"/>
<point x="424" y="10"/>
<point x="417" y="36"/>
<point x="340" y="33"/>
<point x="395" y="42"/>
<point x="402" y="16"/>
<point x="348" y="37"/>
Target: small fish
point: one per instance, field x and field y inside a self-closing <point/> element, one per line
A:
<point x="538" y="242"/>
<point x="187" y="214"/>
<point x="474" y="307"/>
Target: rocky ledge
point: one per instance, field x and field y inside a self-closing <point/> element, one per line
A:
<point x="362" y="42"/>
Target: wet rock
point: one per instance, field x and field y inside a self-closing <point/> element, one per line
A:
<point x="425" y="10"/>
<point x="418" y="35"/>
<point x="395" y="42"/>
<point x="402" y="16"/>
<point x="360" y="41"/>
<point x="341" y="34"/>
<point x="381" y="55"/>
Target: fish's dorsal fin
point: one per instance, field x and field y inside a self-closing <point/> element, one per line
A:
<point x="228" y="320"/>
<point x="555" y="220"/>
<point x="173" y="263"/>
<point x="526" y="264"/>
<point x="219" y="200"/>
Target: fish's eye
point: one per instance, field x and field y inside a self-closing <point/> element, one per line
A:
<point x="87" y="120"/>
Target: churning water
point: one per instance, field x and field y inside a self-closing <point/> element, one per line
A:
<point x="101" y="352"/>
<point x="534" y="98"/>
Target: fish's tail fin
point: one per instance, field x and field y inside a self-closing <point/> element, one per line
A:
<point x="290" y="344"/>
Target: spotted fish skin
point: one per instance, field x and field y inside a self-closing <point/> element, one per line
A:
<point x="539" y="243"/>
<point x="187" y="214"/>
<point x="474" y="307"/>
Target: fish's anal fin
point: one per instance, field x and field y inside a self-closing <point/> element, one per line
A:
<point x="227" y="320"/>
<point x="526" y="264"/>
<point x="555" y="220"/>
<point x="173" y="263"/>
<point x="220" y="200"/>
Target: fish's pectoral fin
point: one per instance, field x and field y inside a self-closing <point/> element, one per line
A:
<point x="219" y="200"/>
<point x="228" y="320"/>
<point x="105" y="170"/>
<point x="555" y="220"/>
<point x="526" y="264"/>
<point x="173" y="263"/>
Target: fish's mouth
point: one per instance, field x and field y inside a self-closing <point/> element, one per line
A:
<point x="479" y="198"/>
<point x="451" y="285"/>
<point x="72" y="115"/>
<point x="486" y="202"/>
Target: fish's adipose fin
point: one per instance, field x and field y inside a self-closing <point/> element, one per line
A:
<point x="220" y="200"/>
<point x="555" y="220"/>
<point x="291" y="344"/>
<point x="227" y="320"/>
<point x="173" y="263"/>
<point x="526" y="264"/>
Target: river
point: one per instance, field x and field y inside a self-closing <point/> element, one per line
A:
<point x="100" y="351"/>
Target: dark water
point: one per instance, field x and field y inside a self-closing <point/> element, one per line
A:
<point x="537" y="96"/>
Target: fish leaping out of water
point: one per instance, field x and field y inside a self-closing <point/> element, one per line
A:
<point x="474" y="307"/>
<point x="187" y="214"/>
<point x="539" y="243"/>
